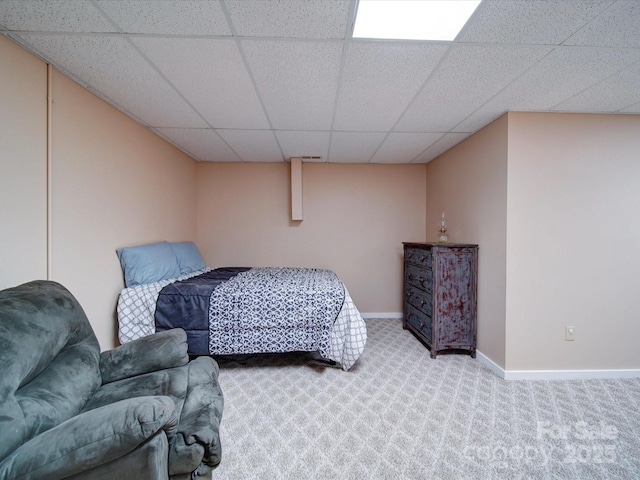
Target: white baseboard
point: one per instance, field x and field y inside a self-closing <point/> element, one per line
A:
<point x="381" y="315"/>
<point x="570" y="374"/>
<point x="490" y="364"/>
<point x="555" y="374"/>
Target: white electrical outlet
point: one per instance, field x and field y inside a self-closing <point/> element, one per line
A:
<point x="569" y="333"/>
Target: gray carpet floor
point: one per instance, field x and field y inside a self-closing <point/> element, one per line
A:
<point x="398" y="414"/>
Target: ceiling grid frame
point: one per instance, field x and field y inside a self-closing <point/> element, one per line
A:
<point x="595" y="45"/>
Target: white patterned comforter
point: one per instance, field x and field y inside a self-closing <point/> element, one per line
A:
<point x="136" y="318"/>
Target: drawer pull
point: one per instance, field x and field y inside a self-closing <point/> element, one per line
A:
<point x="422" y="258"/>
<point x="422" y="280"/>
<point x="422" y="302"/>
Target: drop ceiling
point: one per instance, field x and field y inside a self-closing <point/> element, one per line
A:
<point x="266" y="80"/>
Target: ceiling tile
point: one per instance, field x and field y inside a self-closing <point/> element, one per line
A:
<point x="204" y="71"/>
<point x="616" y="27"/>
<point x="121" y="75"/>
<point x="297" y="81"/>
<point x="615" y="93"/>
<point x="481" y="117"/>
<point x="186" y="17"/>
<point x="379" y="79"/>
<point x="447" y="141"/>
<point x="201" y="143"/>
<point x="354" y="147"/>
<point x="253" y="145"/>
<point x="468" y="76"/>
<point x="218" y="77"/>
<point x="290" y="18"/>
<point x="557" y="77"/>
<point x="548" y="22"/>
<point x="404" y="147"/>
<point x="631" y="109"/>
<point x="61" y="16"/>
<point x="300" y="144"/>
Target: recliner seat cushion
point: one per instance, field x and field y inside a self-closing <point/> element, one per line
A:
<point x="172" y="382"/>
<point x="196" y="394"/>
<point x="91" y="438"/>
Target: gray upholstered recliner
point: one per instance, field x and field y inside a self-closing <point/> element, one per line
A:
<point x="141" y="410"/>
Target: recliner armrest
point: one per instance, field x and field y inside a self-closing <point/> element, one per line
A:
<point x="91" y="439"/>
<point x="147" y="354"/>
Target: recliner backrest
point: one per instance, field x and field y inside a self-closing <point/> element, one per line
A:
<point x="49" y="360"/>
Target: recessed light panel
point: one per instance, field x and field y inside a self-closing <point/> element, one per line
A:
<point x="412" y="19"/>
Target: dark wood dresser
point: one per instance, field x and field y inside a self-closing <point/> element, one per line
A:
<point x="440" y="295"/>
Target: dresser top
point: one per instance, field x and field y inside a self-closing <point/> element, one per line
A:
<point x="436" y="244"/>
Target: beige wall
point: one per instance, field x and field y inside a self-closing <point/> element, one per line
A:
<point x="355" y="220"/>
<point x="469" y="183"/>
<point x="23" y="179"/>
<point x="113" y="183"/>
<point x="553" y="201"/>
<point x="573" y="234"/>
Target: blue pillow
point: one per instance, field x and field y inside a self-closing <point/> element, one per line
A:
<point x="188" y="256"/>
<point x="148" y="263"/>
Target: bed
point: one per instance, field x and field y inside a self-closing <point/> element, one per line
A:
<point x="237" y="310"/>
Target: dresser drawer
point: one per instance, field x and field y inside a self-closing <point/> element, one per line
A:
<point x="419" y="256"/>
<point x="419" y="299"/>
<point x="419" y="322"/>
<point x="419" y="277"/>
